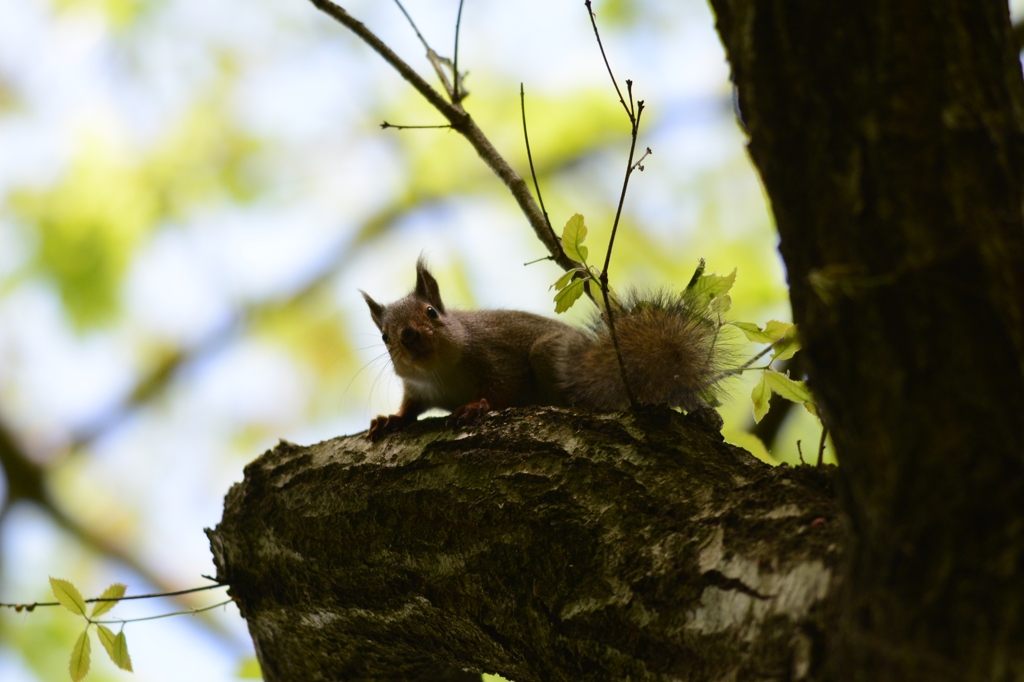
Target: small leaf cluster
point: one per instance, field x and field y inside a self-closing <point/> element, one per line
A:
<point x="706" y="293"/>
<point x="116" y="645"/>
<point x="784" y="344"/>
<point x="570" y="286"/>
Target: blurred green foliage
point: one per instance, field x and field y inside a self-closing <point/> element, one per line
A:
<point x="91" y="222"/>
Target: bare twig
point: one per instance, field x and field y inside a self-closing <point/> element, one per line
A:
<point x="529" y="157"/>
<point x="634" y="113"/>
<point x="408" y="17"/>
<point x="625" y="184"/>
<point x="33" y="605"/>
<point x="800" y="452"/>
<point x="435" y="60"/>
<point x="385" y="125"/>
<point x="593" y="22"/>
<point x="457" y="93"/>
<point x="461" y="122"/>
<point x="744" y="367"/>
<point x="610" y="317"/>
<point x="611" y="243"/>
<point x="821" y="445"/>
<point x="190" y="612"/>
<point x="638" y="165"/>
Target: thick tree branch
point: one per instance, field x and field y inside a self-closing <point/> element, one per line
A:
<point x="544" y="545"/>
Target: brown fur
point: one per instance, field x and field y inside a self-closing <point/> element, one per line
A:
<point x="469" y="362"/>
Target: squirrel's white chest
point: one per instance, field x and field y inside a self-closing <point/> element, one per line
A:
<point x="446" y="390"/>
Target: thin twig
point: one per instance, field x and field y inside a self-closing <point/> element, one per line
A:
<point x="461" y="122"/>
<point x="385" y="125"/>
<point x="190" y="612"/>
<point x="634" y="123"/>
<point x="637" y="165"/>
<point x="529" y="156"/>
<point x="426" y="45"/>
<point x="745" y="366"/>
<point x="536" y="260"/>
<point x="593" y="22"/>
<point x="821" y="445"/>
<point x="609" y="313"/>
<point x="626" y="182"/>
<point x="434" y="59"/>
<point x="457" y="91"/>
<point x="610" y="316"/>
<point x="33" y="605"/>
<point x="800" y="452"/>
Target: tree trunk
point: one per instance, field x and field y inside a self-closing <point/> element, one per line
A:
<point x="889" y="139"/>
<point x="543" y="544"/>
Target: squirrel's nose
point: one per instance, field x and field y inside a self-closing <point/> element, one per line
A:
<point x="409" y="336"/>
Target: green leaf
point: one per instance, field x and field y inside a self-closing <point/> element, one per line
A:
<point x="751" y="331"/>
<point x="573" y="235"/>
<point x="120" y="656"/>
<point x="107" y="638"/>
<point x="796" y="391"/>
<point x="68" y="595"/>
<point x="708" y="287"/>
<point x="721" y="304"/>
<point x="787" y="346"/>
<point x="761" y="396"/>
<point x="79" y="666"/>
<point x="116" y="646"/>
<point x="812" y="408"/>
<point x="115" y="591"/>
<point x="569" y="295"/>
<point x="772" y="332"/>
<point x="563" y="280"/>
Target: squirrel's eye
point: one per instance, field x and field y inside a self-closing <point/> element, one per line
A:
<point x="386" y="338"/>
<point x="431" y="313"/>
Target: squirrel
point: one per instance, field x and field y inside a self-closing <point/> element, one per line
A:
<point x="472" y="361"/>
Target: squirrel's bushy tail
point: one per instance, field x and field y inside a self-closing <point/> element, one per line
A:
<point x="672" y="350"/>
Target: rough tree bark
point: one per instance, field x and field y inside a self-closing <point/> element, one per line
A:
<point x="889" y="138"/>
<point x="543" y="544"/>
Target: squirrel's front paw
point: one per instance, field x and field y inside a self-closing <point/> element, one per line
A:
<point x="469" y="413"/>
<point x="381" y="426"/>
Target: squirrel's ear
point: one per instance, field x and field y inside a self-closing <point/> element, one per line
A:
<point x="376" y="309"/>
<point x="426" y="286"/>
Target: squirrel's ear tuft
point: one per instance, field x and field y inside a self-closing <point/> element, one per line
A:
<point x="426" y="286"/>
<point x="376" y="309"/>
